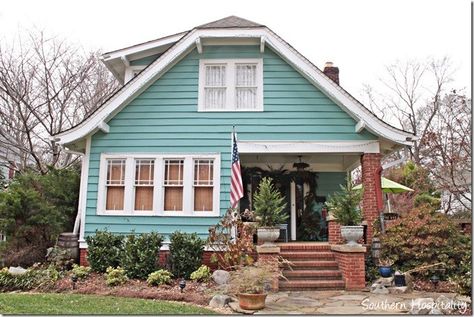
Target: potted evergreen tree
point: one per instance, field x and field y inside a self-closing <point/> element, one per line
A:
<point x="269" y="208"/>
<point x="344" y="207"/>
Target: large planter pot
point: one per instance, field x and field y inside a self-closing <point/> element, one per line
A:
<point x="252" y="301"/>
<point x="385" y="271"/>
<point x="352" y="234"/>
<point x="268" y="235"/>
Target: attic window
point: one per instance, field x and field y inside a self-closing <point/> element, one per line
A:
<point x="231" y="85"/>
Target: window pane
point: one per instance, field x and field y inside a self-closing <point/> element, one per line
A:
<point x="203" y="198"/>
<point x="144" y="170"/>
<point x="203" y="172"/>
<point x="174" y="172"/>
<point x="173" y="199"/>
<point x="116" y="172"/>
<point x="215" y="75"/>
<point x="246" y="98"/>
<point x="214" y="98"/>
<point x="246" y="75"/>
<point x="143" y="198"/>
<point x="115" y="195"/>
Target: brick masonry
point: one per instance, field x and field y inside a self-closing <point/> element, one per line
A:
<point x="352" y="267"/>
<point x="372" y="203"/>
<point x="334" y="233"/>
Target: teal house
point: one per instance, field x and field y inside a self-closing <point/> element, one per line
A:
<point x="156" y="154"/>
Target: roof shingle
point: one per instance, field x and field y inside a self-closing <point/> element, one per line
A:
<point x="230" y="22"/>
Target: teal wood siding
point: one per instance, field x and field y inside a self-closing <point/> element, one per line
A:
<point x="164" y="119"/>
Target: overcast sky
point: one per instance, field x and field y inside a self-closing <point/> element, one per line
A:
<point x="360" y="37"/>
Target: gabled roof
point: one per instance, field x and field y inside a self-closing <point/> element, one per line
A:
<point x="365" y="118"/>
<point x="230" y="22"/>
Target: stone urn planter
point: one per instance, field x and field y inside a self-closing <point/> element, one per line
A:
<point x="252" y="301"/>
<point x="352" y="234"/>
<point x="268" y="235"/>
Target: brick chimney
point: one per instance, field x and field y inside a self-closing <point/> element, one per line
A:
<point x="332" y="72"/>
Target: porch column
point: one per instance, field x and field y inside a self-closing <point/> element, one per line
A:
<point x="372" y="198"/>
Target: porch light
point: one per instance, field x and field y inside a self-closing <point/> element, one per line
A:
<point x="300" y="166"/>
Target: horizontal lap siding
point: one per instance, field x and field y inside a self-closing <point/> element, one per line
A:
<point x="164" y="119"/>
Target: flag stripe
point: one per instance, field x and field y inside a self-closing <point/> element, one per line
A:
<point x="236" y="186"/>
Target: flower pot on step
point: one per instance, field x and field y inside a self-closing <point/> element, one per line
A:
<point x="352" y="234"/>
<point x="252" y="301"/>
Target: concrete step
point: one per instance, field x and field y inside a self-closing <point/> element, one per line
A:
<point x="312" y="275"/>
<point x="299" y="285"/>
<point x="314" y="265"/>
<point x="311" y="255"/>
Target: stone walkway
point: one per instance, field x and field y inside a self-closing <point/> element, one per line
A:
<point x="351" y="302"/>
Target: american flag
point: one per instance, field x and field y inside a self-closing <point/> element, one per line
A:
<point x="236" y="187"/>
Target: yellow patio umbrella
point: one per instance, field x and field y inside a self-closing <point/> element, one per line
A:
<point x="389" y="186"/>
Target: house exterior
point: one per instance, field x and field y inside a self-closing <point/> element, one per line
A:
<point x="156" y="154"/>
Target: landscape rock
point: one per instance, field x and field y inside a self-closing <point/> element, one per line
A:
<point x="398" y="290"/>
<point x="421" y="306"/>
<point x="462" y="298"/>
<point x="16" y="270"/>
<point x="378" y="289"/>
<point x="385" y="281"/>
<point x="221" y="277"/>
<point x="435" y="311"/>
<point x="220" y="301"/>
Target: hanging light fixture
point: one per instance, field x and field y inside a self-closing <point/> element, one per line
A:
<point x="300" y="166"/>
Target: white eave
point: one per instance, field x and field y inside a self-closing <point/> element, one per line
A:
<point x="188" y="42"/>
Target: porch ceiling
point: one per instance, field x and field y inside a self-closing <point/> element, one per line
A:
<point x="317" y="162"/>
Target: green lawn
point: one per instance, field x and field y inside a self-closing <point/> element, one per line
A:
<point x="65" y="304"/>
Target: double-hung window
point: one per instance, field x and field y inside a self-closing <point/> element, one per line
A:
<point x="182" y="185"/>
<point x="231" y="85"/>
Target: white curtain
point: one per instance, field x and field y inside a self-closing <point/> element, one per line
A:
<point x="215" y="87"/>
<point x="246" y="86"/>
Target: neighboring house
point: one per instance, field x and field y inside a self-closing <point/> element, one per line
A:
<point x="157" y="153"/>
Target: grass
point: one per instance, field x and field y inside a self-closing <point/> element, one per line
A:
<point x="65" y="304"/>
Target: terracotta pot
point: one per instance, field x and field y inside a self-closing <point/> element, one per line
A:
<point x="352" y="234"/>
<point x="252" y="301"/>
<point x="268" y="235"/>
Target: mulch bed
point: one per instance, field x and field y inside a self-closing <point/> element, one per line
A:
<point x="428" y="286"/>
<point x="197" y="293"/>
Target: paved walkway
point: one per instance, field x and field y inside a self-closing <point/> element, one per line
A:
<point x="343" y="302"/>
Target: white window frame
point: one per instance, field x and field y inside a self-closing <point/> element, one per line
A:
<point x="230" y="83"/>
<point x="158" y="189"/>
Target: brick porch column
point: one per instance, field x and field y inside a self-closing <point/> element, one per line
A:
<point x="334" y="230"/>
<point x="372" y="198"/>
<point x="351" y="262"/>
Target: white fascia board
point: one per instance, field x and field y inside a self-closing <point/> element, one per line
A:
<point x="261" y="147"/>
<point x="143" y="47"/>
<point x="188" y="42"/>
<point x="360" y="126"/>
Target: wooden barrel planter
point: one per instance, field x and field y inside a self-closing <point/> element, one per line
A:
<point x="68" y="241"/>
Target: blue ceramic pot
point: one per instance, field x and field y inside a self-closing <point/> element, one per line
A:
<point x="385" y="271"/>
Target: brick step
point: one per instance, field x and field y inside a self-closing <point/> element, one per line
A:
<point x="312" y="275"/>
<point x="293" y="255"/>
<point x="304" y="247"/>
<point x="314" y="265"/>
<point x="298" y="285"/>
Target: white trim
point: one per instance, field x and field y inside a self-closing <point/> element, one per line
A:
<point x="82" y="206"/>
<point x="230" y="64"/>
<point x="125" y="60"/>
<point x="199" y="45"/>
<point x="187" y="43"/>
<point x="360" y="126"/>
<point x="309" y="147"/>
<point x="293" y="210"/>
<point x="131" y="72"/>
<point x="262" y="44"/>
<point x="158" y="194"/>
<point x="104" y="127"/>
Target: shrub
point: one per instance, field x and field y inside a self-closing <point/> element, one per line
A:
<point x="104" y="250"/>
<point x="32" y="278"/>
<point x="425" y="237"/>
<point x="203" y="274"/>
<point x="34" y="209"/>
<point x="344" y="206"/>
<point x="269" y="204"/>
<point x="230" y="253"/>
<point x="114" y="277"/>
<point x="81" y="271"/>
<point x="185" y="253"/>
<point x="159" y="277"/>
<point x="140" y="254"/>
